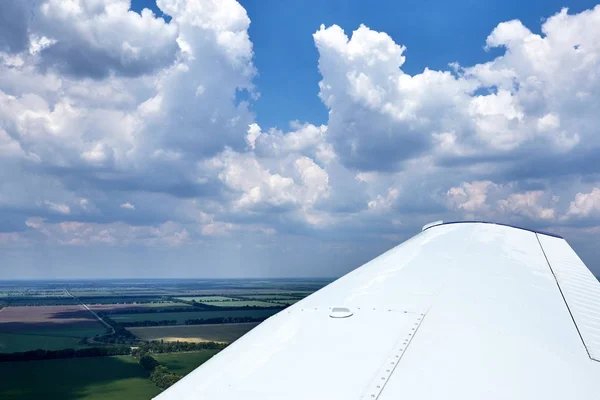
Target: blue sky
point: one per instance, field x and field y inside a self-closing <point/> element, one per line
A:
<point x="434" y="32"/>
<point x="203" y="140"/>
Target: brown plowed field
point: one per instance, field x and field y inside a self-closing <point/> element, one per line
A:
<point x="13" y="318"/>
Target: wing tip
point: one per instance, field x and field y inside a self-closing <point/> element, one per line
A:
<point x="439" y="223"/>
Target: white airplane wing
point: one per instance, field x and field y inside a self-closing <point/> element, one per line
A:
<point x="460" y="311"/>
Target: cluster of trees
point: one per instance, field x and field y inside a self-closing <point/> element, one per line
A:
<point x="158" y="346"/>
<point x="120" y="336"/>
<point x="143" y="349"/>
<point x="121" y="325"/>
<point x="156" y="310"/>
<point x="163" y="322"/>
<point x="169" y="322"/>
<point x="40" y="301"/>
<point x="65" y="353"/>
<point x="223" y="320"/>
<point x="163" y="378"/>
<point x="159" y="374"/>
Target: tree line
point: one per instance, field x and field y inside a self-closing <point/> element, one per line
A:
<point x="41" y="354"/>
<point x="170" y="322"/>
<point x="196" y="307"/>
<point x="144" y="347"/>
<point x="223" y="320"/>
<point x="159" y="374"/>
<point x="159" y="346"/>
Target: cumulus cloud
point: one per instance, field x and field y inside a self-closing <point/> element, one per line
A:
<point x="118" y="127"/>
<point x="91" y="38"/>
<point x="127" y="206"/>
<point x="528" y="204"/>
<point x="125" y="127"/>
<point x="293" y="186"/>
<point x="539" y="94"/>
<point x="585" y="204"/>
<point x="470" y="196"/>
<point x="488" y="200"/>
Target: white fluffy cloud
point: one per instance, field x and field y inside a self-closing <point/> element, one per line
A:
<point x="118" y="127"/>
<point x="470" y="196"/>
<point x="528" y="204"/>
<point x="89" y="38"/>
<point x="540" y="93"/>
<point x="585" y="204"/>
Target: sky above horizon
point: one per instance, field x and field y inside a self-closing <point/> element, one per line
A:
<point x="211" y="138"/>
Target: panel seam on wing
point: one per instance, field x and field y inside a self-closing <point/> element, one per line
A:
<point x="564" y="299"/>
<point x="383" y="376"/>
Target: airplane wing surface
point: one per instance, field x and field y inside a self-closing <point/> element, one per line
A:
<point x="460" y="311"/>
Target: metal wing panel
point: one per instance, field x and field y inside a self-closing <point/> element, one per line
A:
<point x="499" y="329"/>
<point x="495" y="326"/>
<point x="580" y="289"/>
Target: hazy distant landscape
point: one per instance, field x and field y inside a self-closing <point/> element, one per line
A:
<point x="112" y="339"/>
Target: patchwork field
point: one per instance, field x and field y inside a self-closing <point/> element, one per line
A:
<point x="39" y="301"/>
<point x="246" y="291"/>
<point x="194" y="333"/>
<point x="286" y="302"/>
<point x="12" y="317"/>
<point x="140" y="306"/>
<point x="205" y="299"/>
<point x="97" y="378"/>
<point x="241" y="303"/>
<point x="273" y="297"/>
<point x="45" y="327"/>
<point x="223" y="301"/>
<point x="47" y="339"/>
<point x="184" y="363"/>
<point x="121" y="300"/>
<point x="48" y="315"/>
<point x="181" y="317"/>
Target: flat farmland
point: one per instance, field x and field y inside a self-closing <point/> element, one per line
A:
<point x="136" y="306"/>
<point x="39" y="301"/>
<point x="284" y="302"/>
<point x="241" y="303"/>
<point x="184" y="363"/>
<point x="65" y="338"/>
<point x="181" y="317"/>
<point x="205" y="299"/>
<point x="45" y="327"/>
<point x="194" y="333"/>
<point x="121" y="300"/>
<point x="273" y="297"/>
<point x="94" y="378"/>
<point x="226" y="292"/>
<point x="223" y="301"/>
<point x="12" y="318"/>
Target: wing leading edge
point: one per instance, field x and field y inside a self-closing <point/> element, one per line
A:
<point x="460" y="311"/>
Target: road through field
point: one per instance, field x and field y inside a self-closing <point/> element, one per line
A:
<point x="112" y="330"/>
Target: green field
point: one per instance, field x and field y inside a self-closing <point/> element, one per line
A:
<point x="181" y="317"/>
<point x="98" y="378"/>
<point x="284" y="302"/>
<point x="166" y="304"/>
<point x="194" y="333"/>
<point x="223" y="301"/>
<point x="204" y="299"/>
<point x="241" y="303"/>
<point x="184" y="363"/>
<point x="48" y="339"/>
<point x="117" y="307"/>
<point x="273" y="297"/>
<point x="39" y="301"/>
<point x="120" y="299"/>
